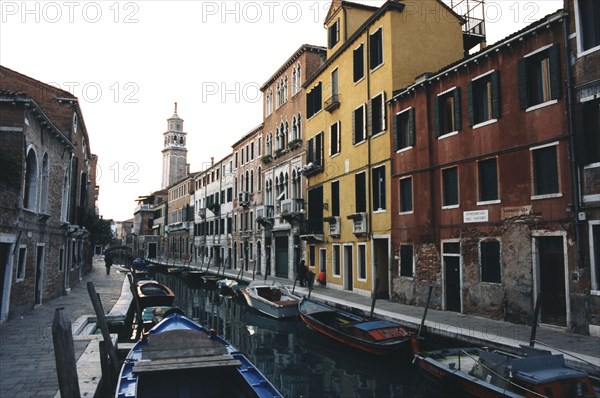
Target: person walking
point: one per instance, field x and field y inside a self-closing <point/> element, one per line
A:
<point x="302" y="272"/>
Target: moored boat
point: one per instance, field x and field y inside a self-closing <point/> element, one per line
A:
<point x="226" y="286"/>
<point x="377" y="337"/>
<point x="273" y="300"/>
<point x="480" y="372"/>
<point x="150" y="293"/>
<point x="179" y="357"/>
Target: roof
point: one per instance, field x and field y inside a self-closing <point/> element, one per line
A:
<point x="303" y="48"/>
<point x="248" y="135"/>
<point x="550" y="18"/>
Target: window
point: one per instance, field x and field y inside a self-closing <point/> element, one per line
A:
<point x="311" y="255"/>
<point x="483" y="99"/>
<point x="488" y="180"/>
<point x="359" y="63"/>
<point x="21" y="263"/>
<point x="360" y="189"/>
<point x="450" y="186"/>
<point x="490" y="261"/>
<point x="314" y="100"/>
<point x="539" y="77"/>
<point x="588" y="15"/>
<point x="314" y="150"/>
<point x="406" y="195"/>
<point x="335" y="199"/>
<point x="336" y="260"/>
<point x="358" y="125"/>
<point x="447" y="112"/>
<point x="333" y="34"/>
<point x="594" y="228"/>
<point x="376" y="49"/>
<point x="545" y="171"/>
<point x="322" y="260"/>
<point x="259" y="179"/>
<point x="406" y="261"/>
<point x="31" y="181"/>
<point x="378" y="123"/>
<point x="591" y="132"/>
<point x="44" y="185"/>
<point x="403" y="128"/>
<point x="334" y="138"/>
<point x="362" y="260"/>
<point x="379" y="188"/>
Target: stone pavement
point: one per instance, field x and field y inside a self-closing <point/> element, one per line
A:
<point x="27" y="365"/>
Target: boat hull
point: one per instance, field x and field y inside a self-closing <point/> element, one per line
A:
<point x="182" y="358"/>
<point x="286" y="305"/>
<point x="355" y="331"/>
<point x="153" y="294"/>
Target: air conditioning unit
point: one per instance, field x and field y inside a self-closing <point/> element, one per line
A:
<point x="359" y="224"/>
<point x="334" y="226"/>
<point x="243" y="198"/>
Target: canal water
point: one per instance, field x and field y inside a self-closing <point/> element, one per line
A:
<point x="298" y="361"/>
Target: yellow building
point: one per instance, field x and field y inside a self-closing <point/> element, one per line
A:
<point x="371" y="52"/>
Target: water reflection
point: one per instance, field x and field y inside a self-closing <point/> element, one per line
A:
<point x="298" y="361"/>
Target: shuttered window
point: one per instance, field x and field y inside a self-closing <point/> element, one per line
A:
<point x="359" y="63"/>
<point x="540" y="77"/>
<point x="379" y="188"/>
<point x="334" y="138"/>
<point x="377" y="114"/>
<point x="588" y="28"/>
<point x="314" y="100"/>
<point x="358" y="125"/>
<point x="484" y="99"/>
<point x="334" y="34"/>
<point x="360" y="192"/>
<point x="335" y="199"/>
<point x="406" y="195"/>
<point x="376" y="49"/>
<point x="447" y="112"/>
<point x="403" y="128"/>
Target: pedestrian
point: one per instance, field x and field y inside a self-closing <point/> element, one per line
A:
<point x="108" y="264"/>
<point x="302" y="272"/>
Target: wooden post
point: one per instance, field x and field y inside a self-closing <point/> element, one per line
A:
<point x="112" y="352"/>
<point x="64" y="354"/>
<point x="536" y="313"/>
<point x="375" y="292"/>
<point x="425" y="313"/>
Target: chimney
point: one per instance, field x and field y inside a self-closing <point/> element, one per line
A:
<point x="212" y="161"/>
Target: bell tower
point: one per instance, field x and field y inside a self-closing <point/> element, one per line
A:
<point x="174" y="151"/>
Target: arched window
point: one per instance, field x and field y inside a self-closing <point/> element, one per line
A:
<point x="269" y="144"/>
<point x="285" y="89"/>
<point x="259" y="179"/>
<point x="64" y="204"/>
<point x="44" y="191"/>
<point x="251" y="181"/>
<point x="298" y="78"/>
<point x="294" y="128"/>
<point x="31" y="181"/>
<point x="268" y="192"/>
<point x="299" y="127"/>
<point x="247" y="181"/>
<point x="286" y="183"/>
<point x="286" y="134"/>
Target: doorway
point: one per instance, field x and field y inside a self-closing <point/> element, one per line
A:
<point x="152" y="250"/>
<point x="39" y="268"/>
<point x="381" y="266"/>
<point x="5" y="275"/>
<point x="451" y="269"/>
<point x="551" y="271"/>
<point x="281" y="257"/>
<point x="348" y="265"/>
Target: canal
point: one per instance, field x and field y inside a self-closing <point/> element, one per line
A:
<point x="297" y="360"/>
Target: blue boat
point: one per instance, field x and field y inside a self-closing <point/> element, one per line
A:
<point x="180" y="358"/>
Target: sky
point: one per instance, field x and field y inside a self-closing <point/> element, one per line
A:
<point x="128" y="62"/>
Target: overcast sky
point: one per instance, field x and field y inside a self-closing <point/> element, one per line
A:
<point x="129" y="61"/>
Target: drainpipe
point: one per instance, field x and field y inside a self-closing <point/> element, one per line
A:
<point x="572" y="152"/>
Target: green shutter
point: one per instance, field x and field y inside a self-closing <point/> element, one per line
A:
<point x="411" y="127"/>
<point x="436" y="115"/>
<point x="555" y="75"/>
<point x="523" y="83"/>
<point x="470" y="116"/>
<point x="369" y="114"/>
<point x="496" y="110"/>
<point x="457" y="114"/>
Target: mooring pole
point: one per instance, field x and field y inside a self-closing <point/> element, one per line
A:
<point x="425" y="313"/>
<point x="536" y="313"/>
<point x="64" y="354"/>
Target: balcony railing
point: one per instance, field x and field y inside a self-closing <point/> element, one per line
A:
<point x="292" y="205"/>
<point x="332" y="103"/>
<point x="143" y="208"/>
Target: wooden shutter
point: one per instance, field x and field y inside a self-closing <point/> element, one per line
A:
<point x="411" y="127"/>
<point x="496" y="108"/>
<point x="394" y="132"/>
<point x="523" y="83"/>
<point x="354" y="127"/>
<point x="555" y="72"/>
<point x="383" y="113"/>
<point x="457" y="113"/>
<point x="470" y="105"/>
<point x="369" y="116"/>
<point x="436" y="115"/>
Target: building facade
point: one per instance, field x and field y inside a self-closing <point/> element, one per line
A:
<point x="282" y="156"/>
<point x="174" y="151"/>
<point x="180" y="221"/>
<point x="371" y="52"/>
<point x="584" y="88"/>
<point x="146" y="242"/>
<point x="47" y="191"/>
<point x="482" y="195"/>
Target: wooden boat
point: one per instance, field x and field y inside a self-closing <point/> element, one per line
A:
<point x="374" y="336"/>
<point x="150" y="293"/>
<point x="193" y="277"/>
<point x="180" y="358"/>
<point x="481" y="372"/>
<point x="271" y="299"/>
<point x="210" y="280"/>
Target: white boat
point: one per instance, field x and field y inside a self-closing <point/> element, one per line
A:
<point x="274" y="300"/>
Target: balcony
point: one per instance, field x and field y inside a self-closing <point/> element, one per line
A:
<point x="292" y="209"/>
<point x="359" y="223"/>
<point x="143" y="208"/>
<point x="264" y="216"/>
<point x="244" y="199"/>
<point x="311" y="169"/>
<point x="202" y="213"/>
<point x="311" y="230"/>
<point x="332" y="103"/>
